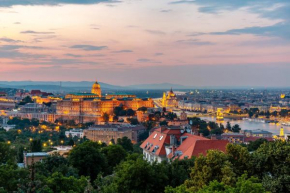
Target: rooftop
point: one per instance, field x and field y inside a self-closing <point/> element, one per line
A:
<point x="37" y="154"/>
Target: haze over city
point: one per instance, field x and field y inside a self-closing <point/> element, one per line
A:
<point x="193" y="43"/>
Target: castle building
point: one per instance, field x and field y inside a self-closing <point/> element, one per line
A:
<point x="169" y="100"/>
<point x="96" y="89"/>
<point x="89" y="107"/>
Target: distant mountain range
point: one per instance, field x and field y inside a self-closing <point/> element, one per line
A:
<point x="69" y="86"/>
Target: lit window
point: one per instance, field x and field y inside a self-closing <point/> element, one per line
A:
<point x="155" y="136"/>
<point x="161" y="137"/>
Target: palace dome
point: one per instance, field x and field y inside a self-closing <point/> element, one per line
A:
<point x="96" y="89"/>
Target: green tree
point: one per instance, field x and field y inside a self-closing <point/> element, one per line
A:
<point x="114" y="154"/>
<point x="213" y="166"/>
<point x="36" y="145"/>
<point x="11" y="177"/>
<point x="88" y="159"/>
<point x="240" y="158"/>
<point x="126" y="143"/>
<point x="254" y="145"/>
<point x="236" y="128"/>
<point x="59" y="183"/>
<point x="243" y="185"/>
<point x="6" y="153"/>
<point x="133" y="121"/>
<point x="106" y="117"/>
<point x="228" y="126"/>
<point x="271" y="164"/>
<point x="139" y="176"/>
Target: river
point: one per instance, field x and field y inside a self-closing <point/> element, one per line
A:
<point x="251" y="125"/>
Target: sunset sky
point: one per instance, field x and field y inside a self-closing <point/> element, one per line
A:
<point x="124" y="42"/>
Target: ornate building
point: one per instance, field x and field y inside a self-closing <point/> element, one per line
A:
<point x="169" y="100"/>
<point x="96" y="89"/>
<point x="89" y="107"/>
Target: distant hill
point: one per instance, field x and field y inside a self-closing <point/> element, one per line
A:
<point x="66" y="86"/>
<point x="163" y="86"/>
<point x="70" y="86"/>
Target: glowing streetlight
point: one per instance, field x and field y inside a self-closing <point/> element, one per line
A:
<point x="44" y="145"/>
<point x="8" y="142"/>
<point x="30" y="139"/>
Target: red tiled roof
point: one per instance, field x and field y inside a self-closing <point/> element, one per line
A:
<point x="191" y="146"/>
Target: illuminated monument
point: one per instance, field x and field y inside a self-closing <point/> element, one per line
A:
<point x="96" y="89"/>
<point x="90" y="107"/>
<point x="169" y="100"/>
<point x="220" y="114"/>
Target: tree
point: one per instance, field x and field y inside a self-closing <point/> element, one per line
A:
<point x="106" y="117"/>
<point x="139" y="176"/>
<point x="254" y="145"/>
<point x="240" y="159"/>
<point x="59" y="183"/>
<point x="26" y="100"/>
<point x="6" y="153"/>
<point x="126" y="143"/>
<point x="11" y="177"/>
<point x="130" y="112"/>
<point x="236" y="128"/>
<point x="228" y="126"/>
<point x="163" y="123"/>
<point x="243" y="185"/>
<point x="271" y="164"/>
<point x="213" y="166"/>
<point x="133" y="121"/>
<point x="114" y="154"/>
<point x="36" y="146"/>
<point x="144" y="109"/>
<point x="88" y="159"/>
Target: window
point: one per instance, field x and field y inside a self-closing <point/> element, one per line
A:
<point x="161" y="137"/>
<point x="155" y="136"/>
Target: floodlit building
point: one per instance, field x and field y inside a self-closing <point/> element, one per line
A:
<point x="89" y="107"/>
<point x="169" y="100"/>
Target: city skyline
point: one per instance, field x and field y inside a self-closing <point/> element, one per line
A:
<point x="193" y="43"/>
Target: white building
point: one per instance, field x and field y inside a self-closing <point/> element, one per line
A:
<point x="75" y="133"/>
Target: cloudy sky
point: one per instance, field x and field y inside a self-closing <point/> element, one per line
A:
<point x="124" y="42"/>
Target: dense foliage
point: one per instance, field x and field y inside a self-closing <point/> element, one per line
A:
<point x="94" y="167"/>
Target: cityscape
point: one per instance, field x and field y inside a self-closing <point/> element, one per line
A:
<point x="107" y="96"/>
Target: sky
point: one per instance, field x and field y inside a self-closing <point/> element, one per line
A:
<point x="126" y="42"/>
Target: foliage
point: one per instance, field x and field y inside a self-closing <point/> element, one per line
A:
<point x="114" y="154"/>
<point x="243" y="185"/>
<point x="88" y="159"/>
<point x="106" y="117"/>
<point x="126" y="143"/>
<point x="254" y="145"/>
<point x="6" y="153"/>
<point x="36" y="145"/>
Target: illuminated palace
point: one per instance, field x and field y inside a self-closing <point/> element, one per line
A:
<point x="89" y="107"/>
<point x="169" y="100"/>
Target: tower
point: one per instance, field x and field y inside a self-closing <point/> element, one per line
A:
<point x="282" y="132"/>
<point x="164" y="100"/>
<point x="96" y="89"/>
